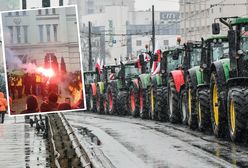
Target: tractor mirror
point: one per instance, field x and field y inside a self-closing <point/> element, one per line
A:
<point x="141" y="59"/>
<point x="215" y="28"/>
<point x="155" y="57"/>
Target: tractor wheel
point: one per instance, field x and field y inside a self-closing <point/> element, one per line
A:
<point x="99" y="101"/>
<point x="161" y="104"/>
<point x="183" y="107"/>
<point x="237" y="113"/>
<point x="151" y="97"/>
<point x="105" y="107"/>
<point x="122" y="100"/>
<point x="143" y="109"/>
<point x="134" y="100"/>
<point x="202" y="109"/>
<point x="173" y="99"/>
<point x="111" y="99"/>
<point x="92" y="101"/>
<point x="217" y="107"/>
<point x="191" y="94"/>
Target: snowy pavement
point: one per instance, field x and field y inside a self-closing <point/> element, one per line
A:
<point x="135" y="143"/>
<point x="20" y="146"/>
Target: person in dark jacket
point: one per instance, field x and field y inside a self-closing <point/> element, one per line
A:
<point x="52" y="102"/>
<point x="44" y="107"/>
<point x="32" y="105"/>
<point x="64" y="106"/>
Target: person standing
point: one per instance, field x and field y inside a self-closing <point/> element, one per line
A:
<point x="19" y="87"/>
<point x="3" y="106"/>
<point x="38" y="83"/>
<point x="33" y="83"/>
<point x="12" y="86"/>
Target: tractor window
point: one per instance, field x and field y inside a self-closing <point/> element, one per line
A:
<point x="195" y="58"/>
<point x="131" y="70"/>
<point x="244" y="46"/>
<point x="219" y="51"/>
<point x="173" y="63"/>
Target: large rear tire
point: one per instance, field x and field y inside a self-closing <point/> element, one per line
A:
<point x="152" y="101"/>
<point x="111" y="99"/>
<point x="134" y="100"/>
<point x="184" y="107"/>
<point x="99" y="101"/>
<point x="91" y="105"/>
<point x="203" y="109"/>
<point x="191" y="97"/>
<point x="143" y="104"/>
<point x="173" y="99"/>
<point x="162" y="109"/>
<point x="122" y="100"/>
<point x="217" y="107"/>
<point x="237" y="113"/>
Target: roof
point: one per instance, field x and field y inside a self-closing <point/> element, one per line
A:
<point x="239" y="21"/>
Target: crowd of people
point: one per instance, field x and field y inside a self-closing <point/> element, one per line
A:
<point x="51" y="104"/>
<point x="28" y="83"/>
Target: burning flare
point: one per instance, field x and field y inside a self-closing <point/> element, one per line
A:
<point x="46" y="72"/>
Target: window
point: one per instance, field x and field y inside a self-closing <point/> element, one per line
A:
<point x="138" y="43"/>
<point x="9" y="14"/>
<point x="41" y="33"/>
<point x="166" y="42"/>
<point x="220" y="9"/>
<point x="17" y="13"/>
<point x="54" y="11"/>
<point x="18" y="34"/>
<point x="60" y="2"/>
<point x="47" y="11"/>
<point x="55" y="32"/>
<point x="11" y="33"/>
<point x="48" y="33"/>
<point x="25" y="28"/>
<point x="39" y="12"/>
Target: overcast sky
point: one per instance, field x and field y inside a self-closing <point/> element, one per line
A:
<point x="159" y="5"/>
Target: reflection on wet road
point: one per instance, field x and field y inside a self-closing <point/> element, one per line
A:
<point x="129" y="142"/>
<point x="20" y="147"/>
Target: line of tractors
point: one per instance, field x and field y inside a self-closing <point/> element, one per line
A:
<point x="203" y="84"/>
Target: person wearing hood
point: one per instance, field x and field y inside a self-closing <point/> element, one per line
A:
<point x="3" y="106"/>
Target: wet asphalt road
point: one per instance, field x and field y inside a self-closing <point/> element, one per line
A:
<point x="129" y="142"/>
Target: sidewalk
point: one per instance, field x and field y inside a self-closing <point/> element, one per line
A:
<point x="20" y="146"/>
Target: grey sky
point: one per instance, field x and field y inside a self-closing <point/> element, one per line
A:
<point x="159" y="5"/>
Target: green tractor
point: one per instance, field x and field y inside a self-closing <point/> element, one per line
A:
<point x="106" y="101"/>
<point x="90" y="80"/>
<point x="177" y="87"/>
<point x="197" y="99"/>
<point x="138" y="88"/>
<point x="158" y="89"/>
<point x="126" y="79"/>
<point x="228" y="83"/>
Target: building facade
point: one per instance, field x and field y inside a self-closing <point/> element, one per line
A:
<point x="197" y="16"/>
<point x="127" y="32"/>
<point x="30" y="35"/>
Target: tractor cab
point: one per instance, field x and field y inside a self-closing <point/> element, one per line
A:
<point x="214" y="49"/>
<point x="110" y="72"/>
<point x="172" y="59"/>
<point x="90" y="77"/>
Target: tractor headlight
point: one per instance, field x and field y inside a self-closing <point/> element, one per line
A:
<point x="214" y="40"/>
<point x="220" y="40"/>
